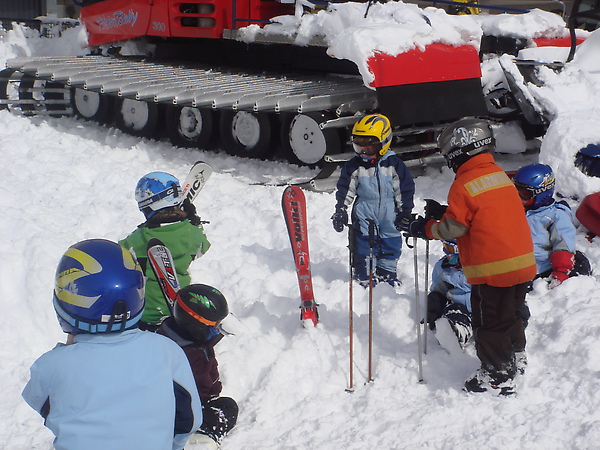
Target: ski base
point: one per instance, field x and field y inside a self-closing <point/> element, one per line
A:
<point x="293" y="203"/>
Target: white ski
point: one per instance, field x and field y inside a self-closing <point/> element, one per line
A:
<point x="196" y="179"/>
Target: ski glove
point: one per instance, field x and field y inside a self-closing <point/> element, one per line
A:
<point x="562" y="264"/>
<point x="416" y="228"/>
<point x="434" y="210"/>
<point x="339" y="219"/>
<point x="402" y="221"/>
<point x="190" y="210"/>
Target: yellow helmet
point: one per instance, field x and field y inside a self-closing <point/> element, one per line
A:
<point x="375" y="126"/>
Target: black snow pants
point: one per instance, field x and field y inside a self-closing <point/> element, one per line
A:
<point x="497" y="327"/>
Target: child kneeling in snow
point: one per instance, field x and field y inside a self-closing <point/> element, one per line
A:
<point x="551" y="223"/>
<point x="197" y="314"/>
<point x="449" y="299"/>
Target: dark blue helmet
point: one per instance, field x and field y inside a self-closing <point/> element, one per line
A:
<point x="535" y="184"/>
<point x="99" y="288"/>
<point x="588" y="160"/>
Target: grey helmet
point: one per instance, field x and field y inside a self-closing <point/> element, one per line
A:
<point x="464" y="139"/>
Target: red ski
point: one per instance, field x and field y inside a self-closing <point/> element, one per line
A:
<point x="161" y="261"/>
<point x="293" y="203"/>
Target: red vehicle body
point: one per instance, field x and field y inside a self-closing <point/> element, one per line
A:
<point x="118" y="20"/>
<point x="270" y="94"/>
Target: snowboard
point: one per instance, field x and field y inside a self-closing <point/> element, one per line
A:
<point x="161" y="261"/>
<point x="293" y="203"/>
<point x="196" y="179"/>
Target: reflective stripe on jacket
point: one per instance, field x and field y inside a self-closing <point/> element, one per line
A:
<point x="486" y="217"/>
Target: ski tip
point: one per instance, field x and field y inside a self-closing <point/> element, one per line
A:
<point x="310" y="314"/>
<point x="307" y="322"/>
<point x="154" y="242"/>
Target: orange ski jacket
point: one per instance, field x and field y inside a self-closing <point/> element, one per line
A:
<point x="488" y="221"/>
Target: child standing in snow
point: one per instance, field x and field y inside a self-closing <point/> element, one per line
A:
<point x="89" y="392"/>
<point x="173" y="221"/>
<point x="197" y="314"/>
<point x="448" y="302"/>
<point x="551" y="224"/>
<point x="380" y="189"/>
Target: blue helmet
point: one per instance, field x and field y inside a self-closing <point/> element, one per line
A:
<point x="535" y="184"/>
<point x="157" y="190"/>
<point x="451" y="250"/>
<point x="99" y="288"/>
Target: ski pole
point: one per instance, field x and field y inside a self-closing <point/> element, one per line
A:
<point x="371" y="245"/>
<point x="350" y="305"/>
<point x="426" y="299"/>
<point x="420" y="356"/>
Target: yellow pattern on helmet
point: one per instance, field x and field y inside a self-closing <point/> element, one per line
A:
<point x="376" y="125"/>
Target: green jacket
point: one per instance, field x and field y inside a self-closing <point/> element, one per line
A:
<point x="185" y="241"/>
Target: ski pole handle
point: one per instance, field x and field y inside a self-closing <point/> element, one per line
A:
<point x="371" y="232"/>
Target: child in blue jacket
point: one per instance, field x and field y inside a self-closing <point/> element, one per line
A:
<point x="551" y="223"/>
<point x="380" y="189"/>
<point x="449" y="299"/>
<point x="113" y="386"/>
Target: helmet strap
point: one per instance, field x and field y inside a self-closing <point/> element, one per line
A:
<point x="118" y="315"/>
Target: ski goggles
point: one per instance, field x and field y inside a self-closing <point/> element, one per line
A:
<point x="172" y="190"/>
<point x="367" y="147"/>
<point x="525" y="192"/>
<point x="213" y="331"/>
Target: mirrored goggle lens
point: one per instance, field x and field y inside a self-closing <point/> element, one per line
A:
<point x="524" y="194"/>
<point x="368" y="150"/>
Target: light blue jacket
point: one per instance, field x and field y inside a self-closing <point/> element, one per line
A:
<point x="552" y="230"/>
<point x="379" y="192"/>
<point x="451" y="283"/>
<point x="117" y="391"/>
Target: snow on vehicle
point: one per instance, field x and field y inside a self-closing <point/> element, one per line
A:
<point x="250" y="76"/>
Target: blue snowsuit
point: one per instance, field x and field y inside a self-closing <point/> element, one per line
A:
<point x="450" y="298"/>
<point x="451" y="282"/>
<point x="117" y="391"/>
<point x="552" y="230"/>
<point x="379" y="192"/>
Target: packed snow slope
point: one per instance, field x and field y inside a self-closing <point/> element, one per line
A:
<point x="65" y="180"/>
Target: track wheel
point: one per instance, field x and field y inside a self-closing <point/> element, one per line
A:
<point x="306" y="144"/>
<point x="189" y="127"/>
<point x="43" y="96"/>
<point x="9" y="81"/>
<point x="91" y="105"/>
<point x="137" y="118"/>
<point x="247" y="134"/>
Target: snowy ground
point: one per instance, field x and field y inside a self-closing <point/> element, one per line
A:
<point x="65" y="180"/>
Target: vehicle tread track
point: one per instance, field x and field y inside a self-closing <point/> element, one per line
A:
<point x="197" y="86"/>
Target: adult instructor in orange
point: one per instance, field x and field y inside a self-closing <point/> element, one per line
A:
<point x="486" y="217"/>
